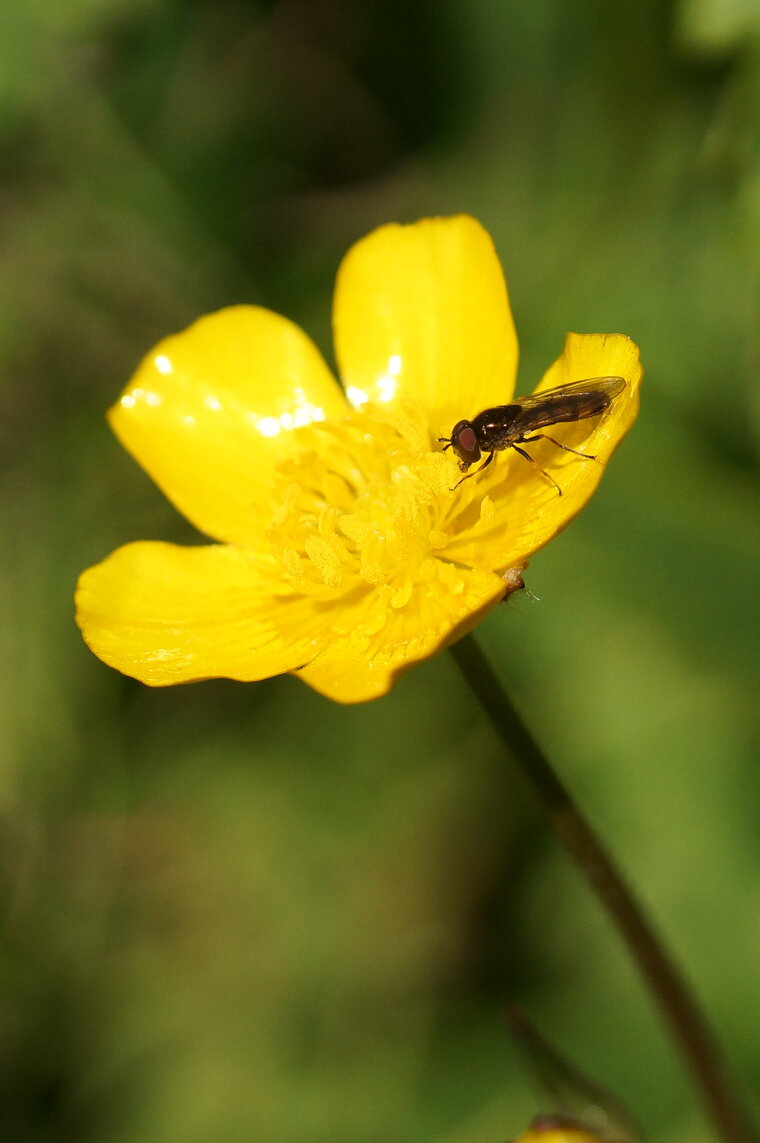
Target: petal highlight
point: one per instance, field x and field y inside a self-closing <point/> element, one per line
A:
<point x="421" y="312"/>
<point x="212" y="409"/>
<point x="167" y="614"/>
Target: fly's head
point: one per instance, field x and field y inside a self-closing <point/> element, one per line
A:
<point x="465" y="444"/>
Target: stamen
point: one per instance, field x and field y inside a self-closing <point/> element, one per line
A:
<point x="368" y="505"/>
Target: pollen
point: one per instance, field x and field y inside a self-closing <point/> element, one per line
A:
<point x="367" y="505"/>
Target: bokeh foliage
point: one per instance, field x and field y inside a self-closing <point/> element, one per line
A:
<point x="243" y="913"/>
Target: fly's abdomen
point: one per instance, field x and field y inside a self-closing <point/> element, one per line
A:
<point x="572" y="407"/>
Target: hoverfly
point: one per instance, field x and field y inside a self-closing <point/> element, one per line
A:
<point x="509" y="426"/>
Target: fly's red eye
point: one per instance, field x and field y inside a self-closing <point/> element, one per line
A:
<point x="464" y="442"/>
<point x="466" y="439"/>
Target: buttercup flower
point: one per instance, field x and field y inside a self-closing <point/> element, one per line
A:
<point x="555" y="1131"/>
<point x="346" y="551"/>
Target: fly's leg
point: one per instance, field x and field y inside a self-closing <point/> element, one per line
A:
<point x="546" y="437"/>
<point x="467" y="476"/>
<point x="535" y="464"/>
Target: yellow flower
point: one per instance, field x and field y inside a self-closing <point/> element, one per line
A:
<point x="345" y="555"/>
<point x="557" y="1133"/>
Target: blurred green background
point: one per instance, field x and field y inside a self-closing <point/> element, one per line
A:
<point x="242" y="913"/>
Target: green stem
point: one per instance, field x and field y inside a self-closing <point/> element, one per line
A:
<point x="680" y="1011"/>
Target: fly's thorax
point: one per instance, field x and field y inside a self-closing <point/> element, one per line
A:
<point x="494" y="428"/>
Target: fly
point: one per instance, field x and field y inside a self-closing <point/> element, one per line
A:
<point x="509" y="426"/>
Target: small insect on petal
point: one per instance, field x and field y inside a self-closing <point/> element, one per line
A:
<point x="509" y="426"/>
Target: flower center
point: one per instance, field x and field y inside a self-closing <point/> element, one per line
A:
<point x="363" y="504"/>
<point x="367" y="509"/>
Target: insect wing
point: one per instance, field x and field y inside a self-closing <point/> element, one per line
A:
<point x="573" y="402"/>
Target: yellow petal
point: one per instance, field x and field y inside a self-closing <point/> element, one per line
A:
<point x="586" y="355"/>
<point x="559" y="1135"/>
<point x="526" y="510"/>
<point x="167" y="614"/>
<point x="380" y="642"/>
<point x="212" y="409"/>
<point x="422" y="312"/>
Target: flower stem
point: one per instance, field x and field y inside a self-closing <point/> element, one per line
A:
<point x="679" y="1009"/>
